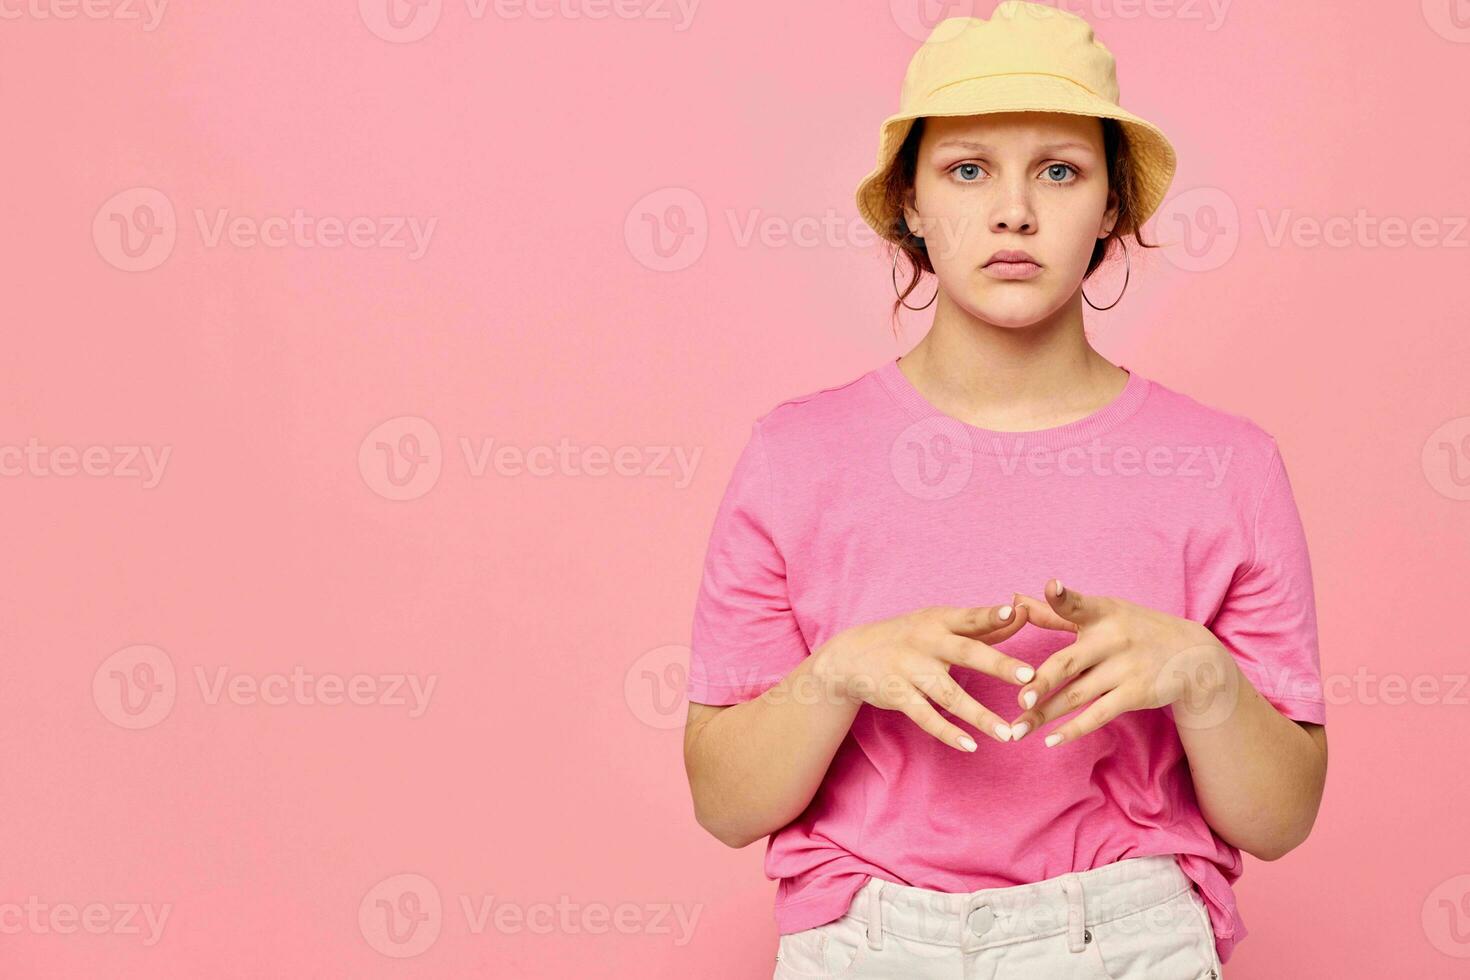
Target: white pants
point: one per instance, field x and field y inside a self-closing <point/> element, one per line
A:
<point x="1136" y="918"/>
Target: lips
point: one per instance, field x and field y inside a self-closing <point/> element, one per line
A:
<point x="1012" y="255"/>
<point x="1012" y="264"/>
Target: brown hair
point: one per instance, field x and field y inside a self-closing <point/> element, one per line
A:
<point x="901" y="179"/>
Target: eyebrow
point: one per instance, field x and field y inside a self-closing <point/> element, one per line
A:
<point x="965" y="144"/>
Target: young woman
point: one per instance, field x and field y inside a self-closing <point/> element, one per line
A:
<point x="1009" y="649"/>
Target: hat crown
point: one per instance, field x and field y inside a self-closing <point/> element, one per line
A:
<point x="1019" y="38"/>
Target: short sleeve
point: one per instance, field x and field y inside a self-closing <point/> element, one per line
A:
<point x="1268" y="620"/>
<point x="745" y="637"/>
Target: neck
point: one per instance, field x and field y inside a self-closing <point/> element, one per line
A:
<point x="1012" y="378"/>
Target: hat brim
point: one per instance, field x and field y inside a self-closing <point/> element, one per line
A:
<point x="1152" y="153"/>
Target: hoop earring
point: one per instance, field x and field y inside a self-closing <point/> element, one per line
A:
<point x="1127" y="269"/>
<point x="894" y="276"/>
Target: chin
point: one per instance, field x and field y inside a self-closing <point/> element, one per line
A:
<point x="1011" y="316"/>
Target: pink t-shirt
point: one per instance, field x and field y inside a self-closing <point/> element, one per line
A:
<point x="862" y="501"/>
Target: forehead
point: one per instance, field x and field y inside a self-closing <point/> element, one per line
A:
<point x="1019" y="130"/>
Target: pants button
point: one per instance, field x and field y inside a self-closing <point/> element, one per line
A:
<point x="981" y="919"/>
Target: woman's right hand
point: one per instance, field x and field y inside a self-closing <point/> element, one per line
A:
<point x="903" y="663"/>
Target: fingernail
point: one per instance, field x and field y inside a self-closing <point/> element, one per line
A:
<point x="1005" y="613"/>
<point x="967" y="743"/>
<point x="1024" y="674"/>
<point x="1003" y="732"/>
<point x="1053" y="739"/>
<point x="1029" y="700"/>
<point x="1018" y="730"/>
<point x="1061" y="589"/>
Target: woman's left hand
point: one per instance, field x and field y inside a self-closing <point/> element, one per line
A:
<point x="1125" y="657"/>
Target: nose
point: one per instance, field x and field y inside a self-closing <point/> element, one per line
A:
<point x="1012" y="209"/>
<point x="1012" y="218"/>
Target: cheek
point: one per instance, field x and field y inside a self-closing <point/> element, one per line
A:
<point x="953" y="228"/>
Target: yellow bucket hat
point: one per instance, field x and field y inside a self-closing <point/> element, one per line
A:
<point x="1027" y="57"/>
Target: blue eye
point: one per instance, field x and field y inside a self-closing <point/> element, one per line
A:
<point x="968" y="172"/>
<point x="1052" y="171"/>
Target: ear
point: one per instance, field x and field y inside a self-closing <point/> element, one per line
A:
<point x="1110" y="216"/>
<point x="911" y="214"/>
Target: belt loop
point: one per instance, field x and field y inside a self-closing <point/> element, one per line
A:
<point x="875" y="913"/>
<point x="1076" y="913"/>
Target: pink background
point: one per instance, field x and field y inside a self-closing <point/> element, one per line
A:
<point x="550" y="608"/>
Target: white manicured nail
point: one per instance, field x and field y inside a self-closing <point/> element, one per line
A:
<point x="1053" y="739"/>
<point x="967" y="743"/>
<point x="1024" y="674"/>
<point x="1018" y="730"/>
<point x="1005" y="613"/>
<point x="1029" y="699"/>
<point x="1003" y="732"/>
<point x="1060" y="589"/>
